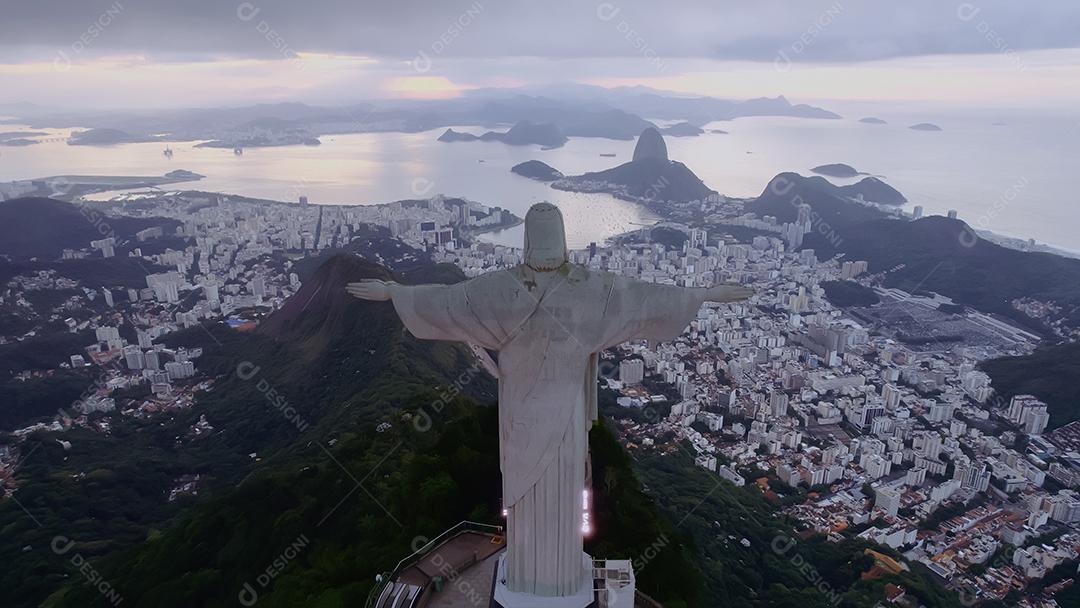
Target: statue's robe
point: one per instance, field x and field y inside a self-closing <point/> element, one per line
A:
<point x="548" y="328"/>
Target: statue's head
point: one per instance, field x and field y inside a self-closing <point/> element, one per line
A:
<point x="545" y="238"/>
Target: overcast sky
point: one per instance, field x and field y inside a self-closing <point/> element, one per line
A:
<point x="169" y="52"/>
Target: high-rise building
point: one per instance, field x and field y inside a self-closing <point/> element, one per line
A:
<point x="850" y="270"/>
<point x="105" y="245"/>
<point x="940" y="412"/>
<point x="876" y="466"/>
<point x="106" y="334"/>
<point x="888" y="500"/>
<point x="180" y="370"/>
<point x="891" y="396"/>
<point x="631" y="371"/>
<point x="1019" y="405"/>
<point x="698" y="238"/>
<point x="151" y="360"/>
<point x="927" y="444"/>
<point x="973" y="476"/>
<point x="915" y="477"/>
<point x="778" y="403"/>
<point x="212" y="295"/>
<point x="145" y="341"/>
<point x="804" y="216"/>
<point x="165" y="286"/>
<point x="133" y="357"/>
<point x="1036" y="420"/>
<point x="258" y="287"/>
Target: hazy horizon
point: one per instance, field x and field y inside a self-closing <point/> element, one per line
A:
<point x="102" y="55"/>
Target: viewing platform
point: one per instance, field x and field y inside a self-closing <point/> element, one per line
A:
<point x="457" y="569"/>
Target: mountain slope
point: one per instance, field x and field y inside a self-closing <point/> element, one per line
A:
<point x="785" y="192"/>
<point x="646" y="179"/>
<point x="1049" y="373"/>
<point x="942" y="255"/>
<point x="650" y="177"/>
<point x="44" y="226"/>
<point x="322" y="373"/>
<point x="650" y="144"/>
<point x="933" y="253"/>
<point x="874" y="190"/>
<point x="396" y="451"/>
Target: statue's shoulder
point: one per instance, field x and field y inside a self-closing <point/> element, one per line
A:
<point x="583" y="275"/>
<point x="518" y="273"/>
<point x="576" y="273"/>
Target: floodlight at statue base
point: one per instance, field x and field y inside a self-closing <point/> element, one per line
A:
<point x="504" y="598"/>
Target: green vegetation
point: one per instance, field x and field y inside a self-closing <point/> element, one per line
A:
<point x="414" y="485"/>
<point x="749" y="556"/>
<point x="44" y="227"/>
<point x="942" y="255"/>
<point x="849" y="293"/>
<point x="42" y="352"/>
<point x="1049" y="373"/>
<point x="668" y="237"/>
<point x="22" y="401"/>
<point x="110" y="492"/>
<point x="358" y="475"/>
<point x="629" y="526"/>
<point x="931" y="254"/>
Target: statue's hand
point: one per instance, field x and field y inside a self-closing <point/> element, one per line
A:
<point x="728" y="292"/>
<point x="370" y="289"/>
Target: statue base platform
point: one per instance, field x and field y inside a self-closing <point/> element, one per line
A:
<point x="504" y="598"/>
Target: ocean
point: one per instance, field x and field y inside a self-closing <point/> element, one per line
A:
<point x="1014" y="177"/>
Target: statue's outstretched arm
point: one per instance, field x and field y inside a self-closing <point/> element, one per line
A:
<point x="728" y="292"/>
<point x="432" y="312"/>
<point x="372" y="289"/>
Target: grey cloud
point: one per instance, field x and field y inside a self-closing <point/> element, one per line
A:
<point x="834" y="31"/>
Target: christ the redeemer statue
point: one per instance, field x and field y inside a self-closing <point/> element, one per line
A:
<point x="549" y="320"/>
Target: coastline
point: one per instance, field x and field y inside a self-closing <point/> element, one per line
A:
<point x="80" y="186"/>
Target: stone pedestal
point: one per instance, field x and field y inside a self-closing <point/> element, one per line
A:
<point x="504" y="598"/>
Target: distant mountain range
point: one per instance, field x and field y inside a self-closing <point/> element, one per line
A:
<point x="577" y="111"/>
<point x="523" y="133"/>
<point x="701" y="110"/>
<point x="683" y="129"/>
<point x="668" y="105"/>
<point x="107" y="137"/>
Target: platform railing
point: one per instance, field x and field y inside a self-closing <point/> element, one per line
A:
<point x="463" y="526"/>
